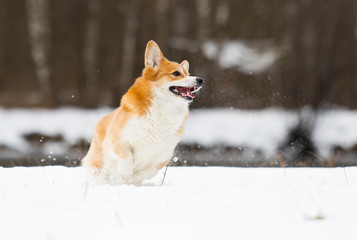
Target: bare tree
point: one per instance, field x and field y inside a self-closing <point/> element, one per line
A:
<point x="203" y="11"/>
<point x="355" y="38"/>
<point x="222" y="12"/>
<point x="90" y="49"/>
<point x="126" y="68"/>
<point x="37" y="12"/>
<point x="162" y="8"/>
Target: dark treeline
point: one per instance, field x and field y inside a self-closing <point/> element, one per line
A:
<point x="88" y="52"/>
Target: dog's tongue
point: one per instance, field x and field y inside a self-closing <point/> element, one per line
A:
<point x="185" y="92"/>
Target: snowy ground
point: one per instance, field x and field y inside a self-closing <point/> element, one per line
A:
<point x="261" y="129"/>
<point x="194" y="203"/>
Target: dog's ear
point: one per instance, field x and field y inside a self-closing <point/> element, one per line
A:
<point x="153" y="55"/>
<point x="185" y="65"/>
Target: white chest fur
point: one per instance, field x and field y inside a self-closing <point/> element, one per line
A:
<point x="154" y="137"/>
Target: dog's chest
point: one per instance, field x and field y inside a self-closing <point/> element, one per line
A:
<point x="154" y="137"/>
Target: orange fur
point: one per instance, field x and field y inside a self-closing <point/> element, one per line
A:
<point x="181" y="129"/>
<point x="95" y="153"/>
<point x="138" y="98"/>
<point x="161" y="165"/>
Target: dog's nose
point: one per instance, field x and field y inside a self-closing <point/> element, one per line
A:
<point x="199" y="81"/>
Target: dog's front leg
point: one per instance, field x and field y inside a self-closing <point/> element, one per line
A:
<point x="142" y="174"/>
<point x="147" y="172"/>
<point x="119" y="163"/>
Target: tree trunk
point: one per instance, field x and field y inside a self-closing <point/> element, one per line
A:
<point x="125" y="77"/>
<point x="90" y="51"/>
<point x="39" y="37"/>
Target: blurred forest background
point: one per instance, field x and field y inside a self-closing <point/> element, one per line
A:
<point x="87" y="53"/>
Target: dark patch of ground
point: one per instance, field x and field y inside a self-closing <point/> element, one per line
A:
<point x="188" y="155"/>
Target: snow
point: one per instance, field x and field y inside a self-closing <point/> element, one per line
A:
<point x="194" y="203"/>
<point x="236" y="53"/>
<point x="266" y="129"/>
<point x="260" y="129"/>
<point x="263" y="129"/>
<point x="73" y="124"/>
<point x="336" y="127"/>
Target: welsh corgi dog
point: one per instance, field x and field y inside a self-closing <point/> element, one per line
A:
<point x="138" y="139"/>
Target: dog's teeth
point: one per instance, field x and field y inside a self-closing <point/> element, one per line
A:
<point x="195" y="89"/>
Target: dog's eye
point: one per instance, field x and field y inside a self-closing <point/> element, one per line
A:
<point x="176" y="73"/>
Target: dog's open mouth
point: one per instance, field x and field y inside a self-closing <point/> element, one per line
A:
<point x="185" y="92"/>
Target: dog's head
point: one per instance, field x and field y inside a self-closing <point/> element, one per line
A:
<point x="171" y="77"/>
